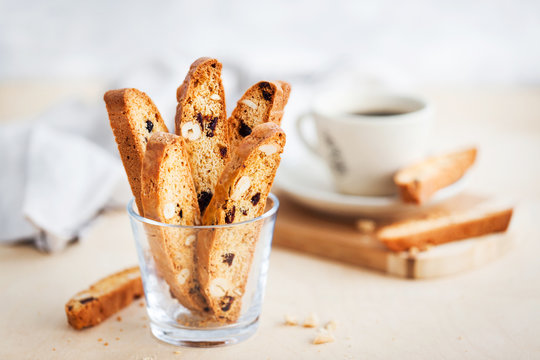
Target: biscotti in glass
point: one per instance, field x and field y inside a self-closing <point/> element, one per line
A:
<point x="222" y="301"/>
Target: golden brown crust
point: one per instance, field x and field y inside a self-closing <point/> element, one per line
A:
<point x="443" y="228"/>
<point x="133" y="118"/>
<point x="201" y="118"/>
<point x="417" y="183"/>
<point x="104" y="298"/>
<point x="168" y="196"/>
<point x="225" y="255"/>
<point x="262" y="102"/>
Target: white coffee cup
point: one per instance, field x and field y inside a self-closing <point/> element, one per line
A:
<point x="362" y="147"/>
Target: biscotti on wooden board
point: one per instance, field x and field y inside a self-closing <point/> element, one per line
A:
<point x="168" y="196"/>
<point x="225" y="255"/>
<point x="418" y="182"/>
<point x="201" y="119"/>
<point x="133" y="117"/>
<point x="443" y="228"/>
<point x="262" y="102"/>
<point x="104" y="298"/>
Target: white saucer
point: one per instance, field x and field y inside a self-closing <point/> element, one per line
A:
<point x="306" y="180"/>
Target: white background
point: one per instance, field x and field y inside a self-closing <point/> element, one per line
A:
<point x="483" y="41"/>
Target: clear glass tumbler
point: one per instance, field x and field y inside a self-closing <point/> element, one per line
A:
<point x="239" y="284"/>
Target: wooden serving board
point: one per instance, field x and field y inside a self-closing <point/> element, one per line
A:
<point x="339" y="239"/>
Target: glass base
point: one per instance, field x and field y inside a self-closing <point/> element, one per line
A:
<point x="203" y="338"/>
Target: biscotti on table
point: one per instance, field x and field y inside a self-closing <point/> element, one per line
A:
<point x="104" y="298"/>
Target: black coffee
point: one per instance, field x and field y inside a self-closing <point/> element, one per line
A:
<point x="378" y="113"/>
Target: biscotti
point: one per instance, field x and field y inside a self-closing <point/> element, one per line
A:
<point x="263" y="102"/>
<point x="201" y="119"/>
<point x="104" y="298"/>
<point x="133" y="117"/>
<point x="168" y="196"/>
<point x="417" y="183"/>
<point x="443" y="228"/>
<point x="225" y="255"/>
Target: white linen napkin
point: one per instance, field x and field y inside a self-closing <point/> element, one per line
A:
<point x="54" y="179"/>
<point x="69" y="181"/>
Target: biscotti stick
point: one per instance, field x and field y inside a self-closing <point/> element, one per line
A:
<point x="201" y="119"/>
<point x="104" y="298"/>
<point x="418" y="182"/>
<point x="263" y="102"/>
<point x="225" y="255"/>
<point x="443" y="228"/>
<point x="168" y="196"/>
<point x="133" y="117"/>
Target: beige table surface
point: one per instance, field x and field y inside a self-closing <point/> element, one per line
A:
<point x="489" y="313"/>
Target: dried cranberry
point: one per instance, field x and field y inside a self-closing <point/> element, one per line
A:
<point x="229" y="215"/>
<point x="256" y="198"/>
<point x="87" y="300"/>
<point x="228" y="258"/>
<point x="204" y="199"/>
<point x="244" y="130"/>
<point x="226" y="303"/>
<point x="149" y="126"/>
<point x="267" y="91"/>
<point x="211" y="127"/>
<point x="200" y="120"/>
<point x="223" y="151"/>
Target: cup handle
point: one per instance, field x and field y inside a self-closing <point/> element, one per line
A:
<point x="299" y="128"/>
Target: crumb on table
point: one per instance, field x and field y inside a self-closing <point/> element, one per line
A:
<point x="291" y="320"/>
<point x="366" y="226"/>
<point x="323" y="337"/>
<point x="311" y="321"/>
<point x="331" y="325"/>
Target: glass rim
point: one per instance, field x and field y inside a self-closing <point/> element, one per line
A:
<point x="271" y="212"/>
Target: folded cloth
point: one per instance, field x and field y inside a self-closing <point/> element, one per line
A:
<point x="54" y="179"/>
<point x="69" y="179"/>
<point x="13" y="151"/>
